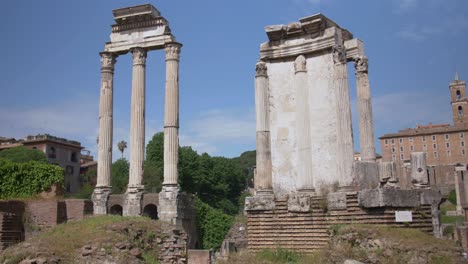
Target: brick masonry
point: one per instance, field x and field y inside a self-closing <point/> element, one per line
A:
<point x="310" y="230"/>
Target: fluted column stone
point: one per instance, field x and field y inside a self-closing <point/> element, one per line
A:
<point x="366" y="123"/>
<point x="171" y="114"/>
<point x="304" y="181"/>
<point x="419" y="176"/>
<point x="345" y="153"/>
<point x="132" y="203"/>
<point x="263" y="177"/>
<point x="103" y="188"/>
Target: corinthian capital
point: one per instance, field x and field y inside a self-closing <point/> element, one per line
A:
<point x="107" y="59"/>
<point x="139" y="56"/>
<point x="361" y="64"/>
<point x="339" y="54"/>
<point x="300" y="64"/>
<point x="260" y="69"/>
<point x="173" y="51"/>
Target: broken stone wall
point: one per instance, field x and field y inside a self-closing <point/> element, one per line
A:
<point x="308" y="227"/>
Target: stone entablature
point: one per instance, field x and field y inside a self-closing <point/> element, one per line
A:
<point x="139" y="26"/>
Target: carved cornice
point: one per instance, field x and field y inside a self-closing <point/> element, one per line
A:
<point x="108" y="59"/>
<point x="300" y="64"/>
<point x="361" y="64"/>
<point x="173" y="51"/>
<point x="138" y="56"/>
<point x="339" y="54"/>
<point x="261" y="69"/>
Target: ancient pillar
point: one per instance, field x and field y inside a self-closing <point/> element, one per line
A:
<point x="345" y="154"/>
<point x="171" y="114"/>
<point x="419" y="175"/>
<point x="388" y="174"/>
<point x="366" y="123"/>
<point x="263" y="177"/>
<point x="459" y="188"/>
<point x="304" y="181"/>
<point x="103" y="188"/>
<point x="132" y="203"/>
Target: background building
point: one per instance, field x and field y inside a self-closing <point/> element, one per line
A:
<point x="59" y="151"/>
<point x="444" y="144"/>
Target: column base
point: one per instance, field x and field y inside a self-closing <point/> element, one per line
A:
<point x="168" y="204"/>
<point x="100" y="197"/>
<point x="132" y="201"/>
<point x="347" y="188"/>
<point x="265" y="192"/>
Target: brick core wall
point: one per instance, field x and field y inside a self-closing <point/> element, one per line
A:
<point x="309" y="231"/>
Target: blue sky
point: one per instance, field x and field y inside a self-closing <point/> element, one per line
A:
<point x="50" y="68"/>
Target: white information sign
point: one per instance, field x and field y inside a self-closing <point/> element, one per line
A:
<point x="403" y="216"/>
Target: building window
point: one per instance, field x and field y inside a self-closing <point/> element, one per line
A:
<point x="460" y="110"/>
<point x="402" y="149"/>
<point x="386" y="141"/>
<point x="393" y="157"/>
<point x="393" y="141"/>
<point x="434" y="145"/>
<point x="424" y="138"/>
<point x="463" y="152"/>
<point x="462" y="143"/>
<point x="52" y="154"/>
<point x="401" y="140"/>
<point x="402" y="157"/>
<point x="461" y="135"/>
<point x="411" y="139"/>
<point x="393" y="149"/>
<point x="74" y="157"/>
<point x="448" y="153"/>
<point x="446" y="137"/>
<point x="435" y="154"/>
<point x="425" y="147"/>
<point x="434" y="138"/>
<point x="412" y="148"/>
<point x="447" y="144"/>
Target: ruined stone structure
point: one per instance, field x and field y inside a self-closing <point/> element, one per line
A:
<point x="307" y="179"/>
<point x="138" y="30"/>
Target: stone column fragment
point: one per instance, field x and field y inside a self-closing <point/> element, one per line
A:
<point x="171" y="114"/>
<point x="344" y="133"/>
<point x="132" y="203"/>
<point x="388" y="174"/>
<point x="459" y="188"/>
<point x="304" y="147"/>
<point x="103" y="188"/>
<point x="263" y="177"/>
<point x="366" y="123"/>
<point x="419" y="175"/>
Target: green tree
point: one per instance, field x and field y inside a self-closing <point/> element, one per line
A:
<point x="122" y="145"/>
<point x="120" y="171"/>
<point x="23" y="154"/>
<point x="153" y="174"/>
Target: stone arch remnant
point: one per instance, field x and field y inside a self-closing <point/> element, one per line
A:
<point x="138" y="30"/>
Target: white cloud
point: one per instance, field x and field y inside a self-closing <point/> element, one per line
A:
<point x="216" y="130"/>
<point x="396" y="111"/>
<point x="412" y="34"/>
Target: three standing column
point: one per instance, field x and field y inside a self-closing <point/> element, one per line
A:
<point x="263" y="175"/>
<point x="304" y="147"/>
<point x="345" y="155"/>
<point x="132" y="203"/>
<point x="366" y="123"/>
<point x="171" y="115"/>
<point x="103" y="188"/>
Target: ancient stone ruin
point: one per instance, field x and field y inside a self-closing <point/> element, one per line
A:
<point x="306" y="179"/>
<point x="138" y="30"/>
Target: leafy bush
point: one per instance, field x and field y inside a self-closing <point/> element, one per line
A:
<point x="453" y="197"/>
<point x="21" y="180"/>
<point x="23" y="154"/>
<point x="213" y="224"/>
